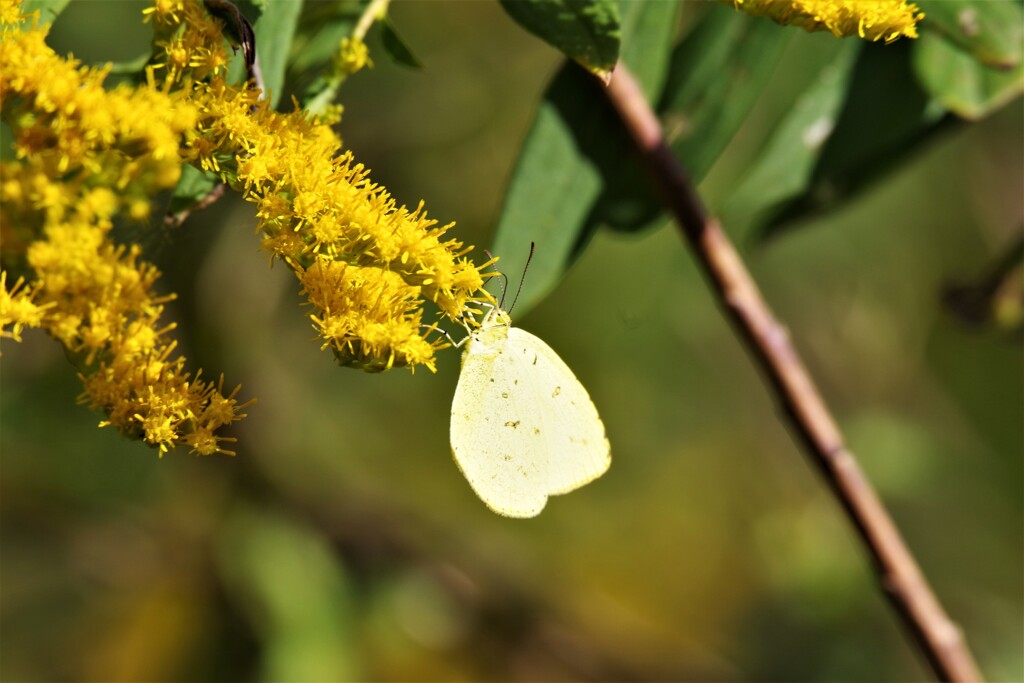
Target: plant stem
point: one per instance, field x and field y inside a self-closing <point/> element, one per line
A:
<point x="768" y="341"/>
<point x="375" y="11"/>
<point x="175" y="220"/>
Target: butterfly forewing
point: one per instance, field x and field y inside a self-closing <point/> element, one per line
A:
<point x="523" y="427"/>
<point x="570" y="431"/>
<point x="487" y="431"/>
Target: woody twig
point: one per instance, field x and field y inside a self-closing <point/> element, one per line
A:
<point x="768" y="342"/>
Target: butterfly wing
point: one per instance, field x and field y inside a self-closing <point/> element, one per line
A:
<point x="568" y="425"/>
<point x="489" y="432"/>
<point x="523" y="427"/>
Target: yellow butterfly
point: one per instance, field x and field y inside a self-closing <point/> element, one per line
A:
<point x="523" y="427"/>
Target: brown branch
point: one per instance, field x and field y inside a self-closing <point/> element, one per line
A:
<point x="175" y="220"/>
<point x="767" y="340"/>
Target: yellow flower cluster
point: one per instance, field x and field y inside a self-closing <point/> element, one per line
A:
<point x="84" y="156"/>
<point x="188" y="55"/>
<point x="366" y="264"/>
<point x="66" y="123"/>
<point x="18" y="308"/>
<point x="870" y="19"/>
<point x="353" y="55"/>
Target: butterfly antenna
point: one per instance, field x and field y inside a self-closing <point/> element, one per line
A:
<point x="522" y="278"/>
<point x="504" y="279"/>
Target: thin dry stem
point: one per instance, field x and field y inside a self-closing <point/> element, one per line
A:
<point x="175" y="220"/>
<point x="768" y="341"/>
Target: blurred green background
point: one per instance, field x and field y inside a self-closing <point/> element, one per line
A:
<point x="342" y="543"/>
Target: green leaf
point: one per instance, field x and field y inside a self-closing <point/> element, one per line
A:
<point x="553" y="187"/>
<point x="648" y="33"/>
<point x="964" y="85"/>
<point x="134" y="66"/>
<point x="716" y="76"/>
<point x="322" y="27"/>
<point x="320" y="94"/>
<point x="274" y="32"/>
<point x="49" y="10"/>
<point x="396" y="47"/>
<point x="886" y="118"/>
<point x="784" y="166"/>
<point x="991" y="31"/>
<point x="295" y="593"/>
<point x="193" y="186"/>
<point x="586" y="31"/>
<point x="627" y="200"/>
<point x="573" y="149"/>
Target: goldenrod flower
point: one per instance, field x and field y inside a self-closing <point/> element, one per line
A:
<point x="165" y="12"/>
<point x="10" y="12"/>
<point x="870" y="19"/>
<point x="18" y="310"/>
<point x="84" y="155"/>
<point x="369" y="316"/>
<point x="317" y="206"/>
<point x="63" y="118"/>
<point x="352" y="56"/>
